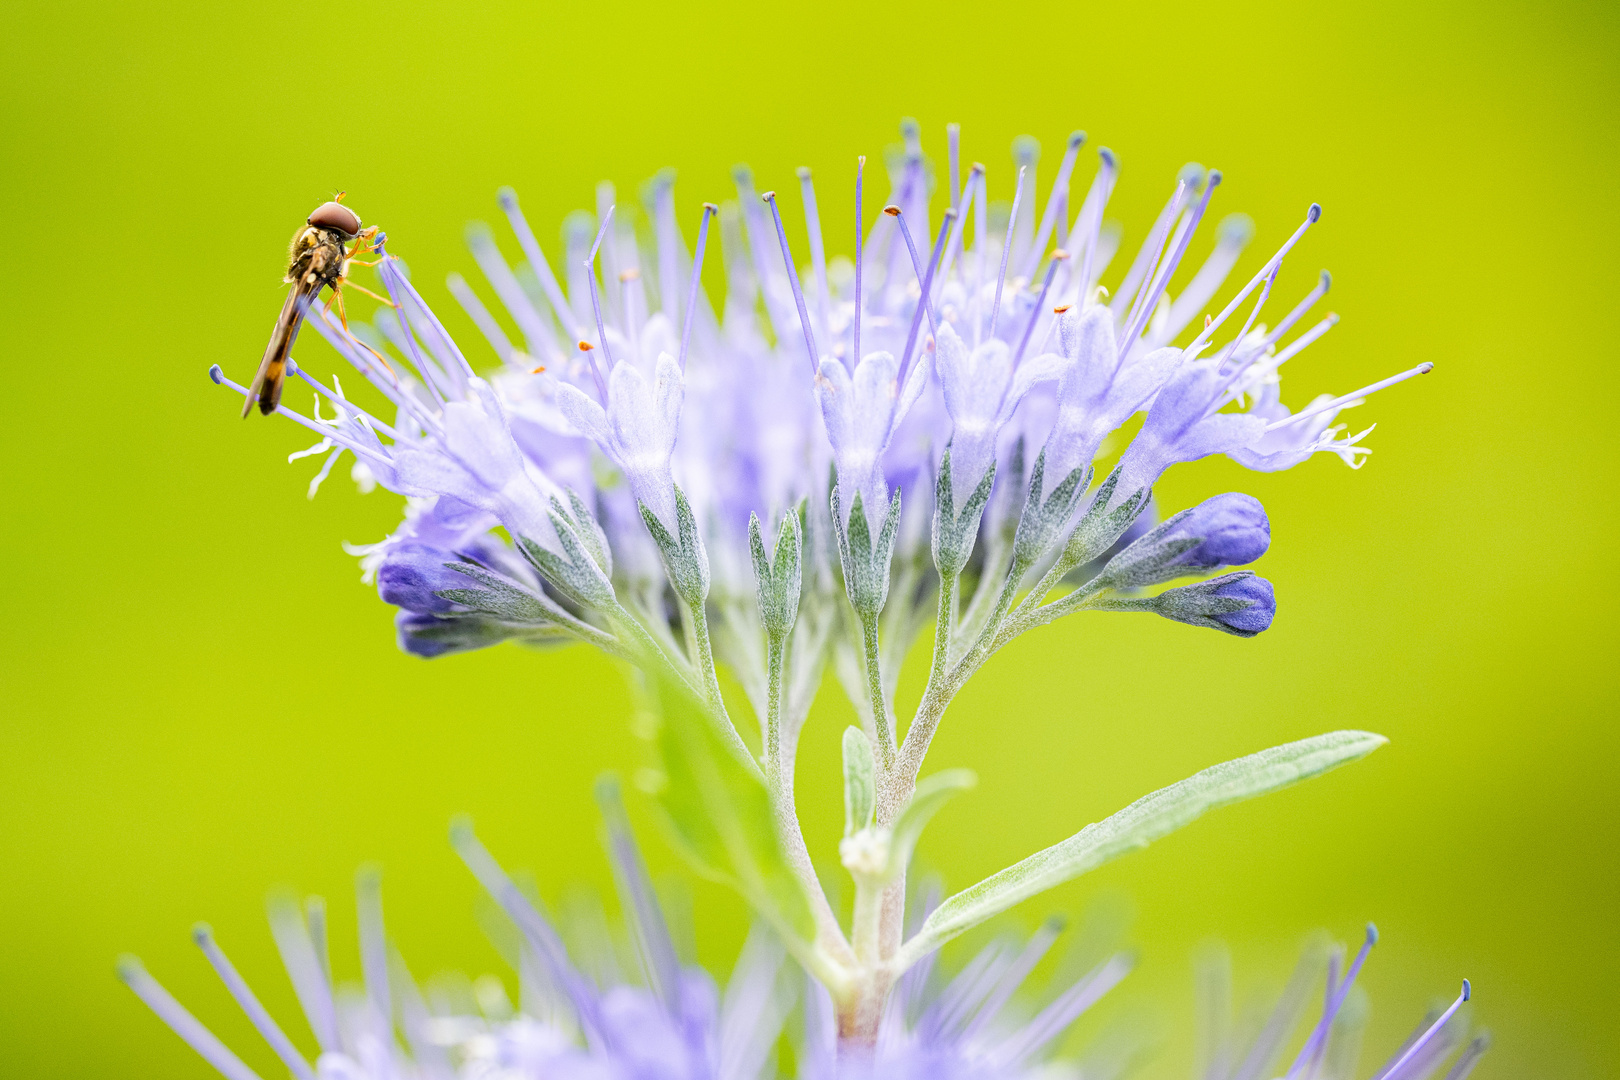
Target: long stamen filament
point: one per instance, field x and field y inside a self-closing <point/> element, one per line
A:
<point x="793" y="280"/>
<point x="709" y="210"/>
<point x="1059" y="257"/>
<point x="1161" y="280"/>
<point x="925" y="282"/>
<point x="596" y="309"/>
<point x="1338" y="402"/>
<point x="1434" y="1029"/>
<point x="1006" y="250"/>
<point x="1311" y="218"/>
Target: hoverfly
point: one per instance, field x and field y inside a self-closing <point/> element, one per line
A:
<point x="317" y="260"/>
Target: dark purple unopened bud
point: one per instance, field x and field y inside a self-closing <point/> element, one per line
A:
<point x="412" y="573"/>
<point x="1240" y="604"/>
<point x="1235" y="531"/>
<point x="430" y="636"/>
<point x="1227" y="530"/>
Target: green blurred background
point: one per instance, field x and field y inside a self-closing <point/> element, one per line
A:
<point x="201" y="701"/>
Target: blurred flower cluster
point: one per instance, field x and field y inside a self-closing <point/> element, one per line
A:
<point x="578" y="1017"/>
<point x="804" y="478"/>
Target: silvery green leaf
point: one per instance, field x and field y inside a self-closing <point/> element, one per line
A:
<point x="931" y="794"/>
<point x="777" y="584"/>
<point x="500" y="596"/>
<point x="575" y="573"/>
<point x="719" y="814"/>
<point x="859" y="789"/>
<point x="865" y="565"/>
<point x="684" y="556"/>
<point x="1099" y="526"/>
<point x="1042" y="518"/>
<point x="590" y="532"/>
<point x="956" y="530"/>
<point x="1136" y="826"/>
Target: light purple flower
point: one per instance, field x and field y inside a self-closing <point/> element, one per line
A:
<point x="982" y="389"/>
<point x="1099" y="389"/>
<point x="1182" y="425"/>
<point x="637" y="429"/>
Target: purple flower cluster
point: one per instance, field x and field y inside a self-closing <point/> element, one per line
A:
<point x="1016" y="356"/>
<point x="676" y="1023"/>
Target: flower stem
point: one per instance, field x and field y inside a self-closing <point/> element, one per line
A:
<point x="874" y="686"/>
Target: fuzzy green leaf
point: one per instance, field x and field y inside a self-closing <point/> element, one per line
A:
<point x="1136" y="826"/>
<point x="720" y="815"/>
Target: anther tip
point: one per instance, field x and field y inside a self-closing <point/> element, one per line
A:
<point x="1059" y="254"/>
<point x="507" y="198"/>
<point x="202" y="933"/>
<point x="802" y="172"/>
<point x="216" y="374"/>
<point x="1236" y="229"/>
<point x="1315" y="212"/>
<point x="1076" y="139"/>
<point x="710" y="207"/>
<point x="1468" y="990"/>
<point x="768" y="196"/>
<point x="1425" y="367"/>
<point x="1372" y="934"/>
<point x="1191" y="174"/>
<point x="585" y="346"/>
<point x="1214" y="177"/>
<point x="130" y="968"/>
<point x="742" y="174"/>
<point x="461" y="831"/>
<point x="892" y="210"/>
<point x="1333" y="318"/>
<point x="1061" y="308"/>
<point x="1108" y="157"/>
<point x="292" y="366"/>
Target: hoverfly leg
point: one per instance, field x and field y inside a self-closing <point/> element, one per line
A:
<point x="347" y="284"/>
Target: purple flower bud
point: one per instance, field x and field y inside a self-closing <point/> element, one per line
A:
<point x="1228" y="530"/>
<point x="1257" y="593"/>
<point x="432" y="636"/>
<point x="1234" y="530"/>
<point x="1240" y="604"/>
<point x="411" y="574"/>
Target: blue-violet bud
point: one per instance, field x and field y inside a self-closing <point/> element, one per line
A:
<point x="1227" y="530"/>
<point x="1240" y="604"/>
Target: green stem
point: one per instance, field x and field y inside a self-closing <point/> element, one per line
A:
<point x="938" y="695"/>
<point x="874" y="687"/>
<point x="776" y="650"/>
<point x="944" y="622"/>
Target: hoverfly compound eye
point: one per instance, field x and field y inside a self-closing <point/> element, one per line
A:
<point x="336" y="216"/>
